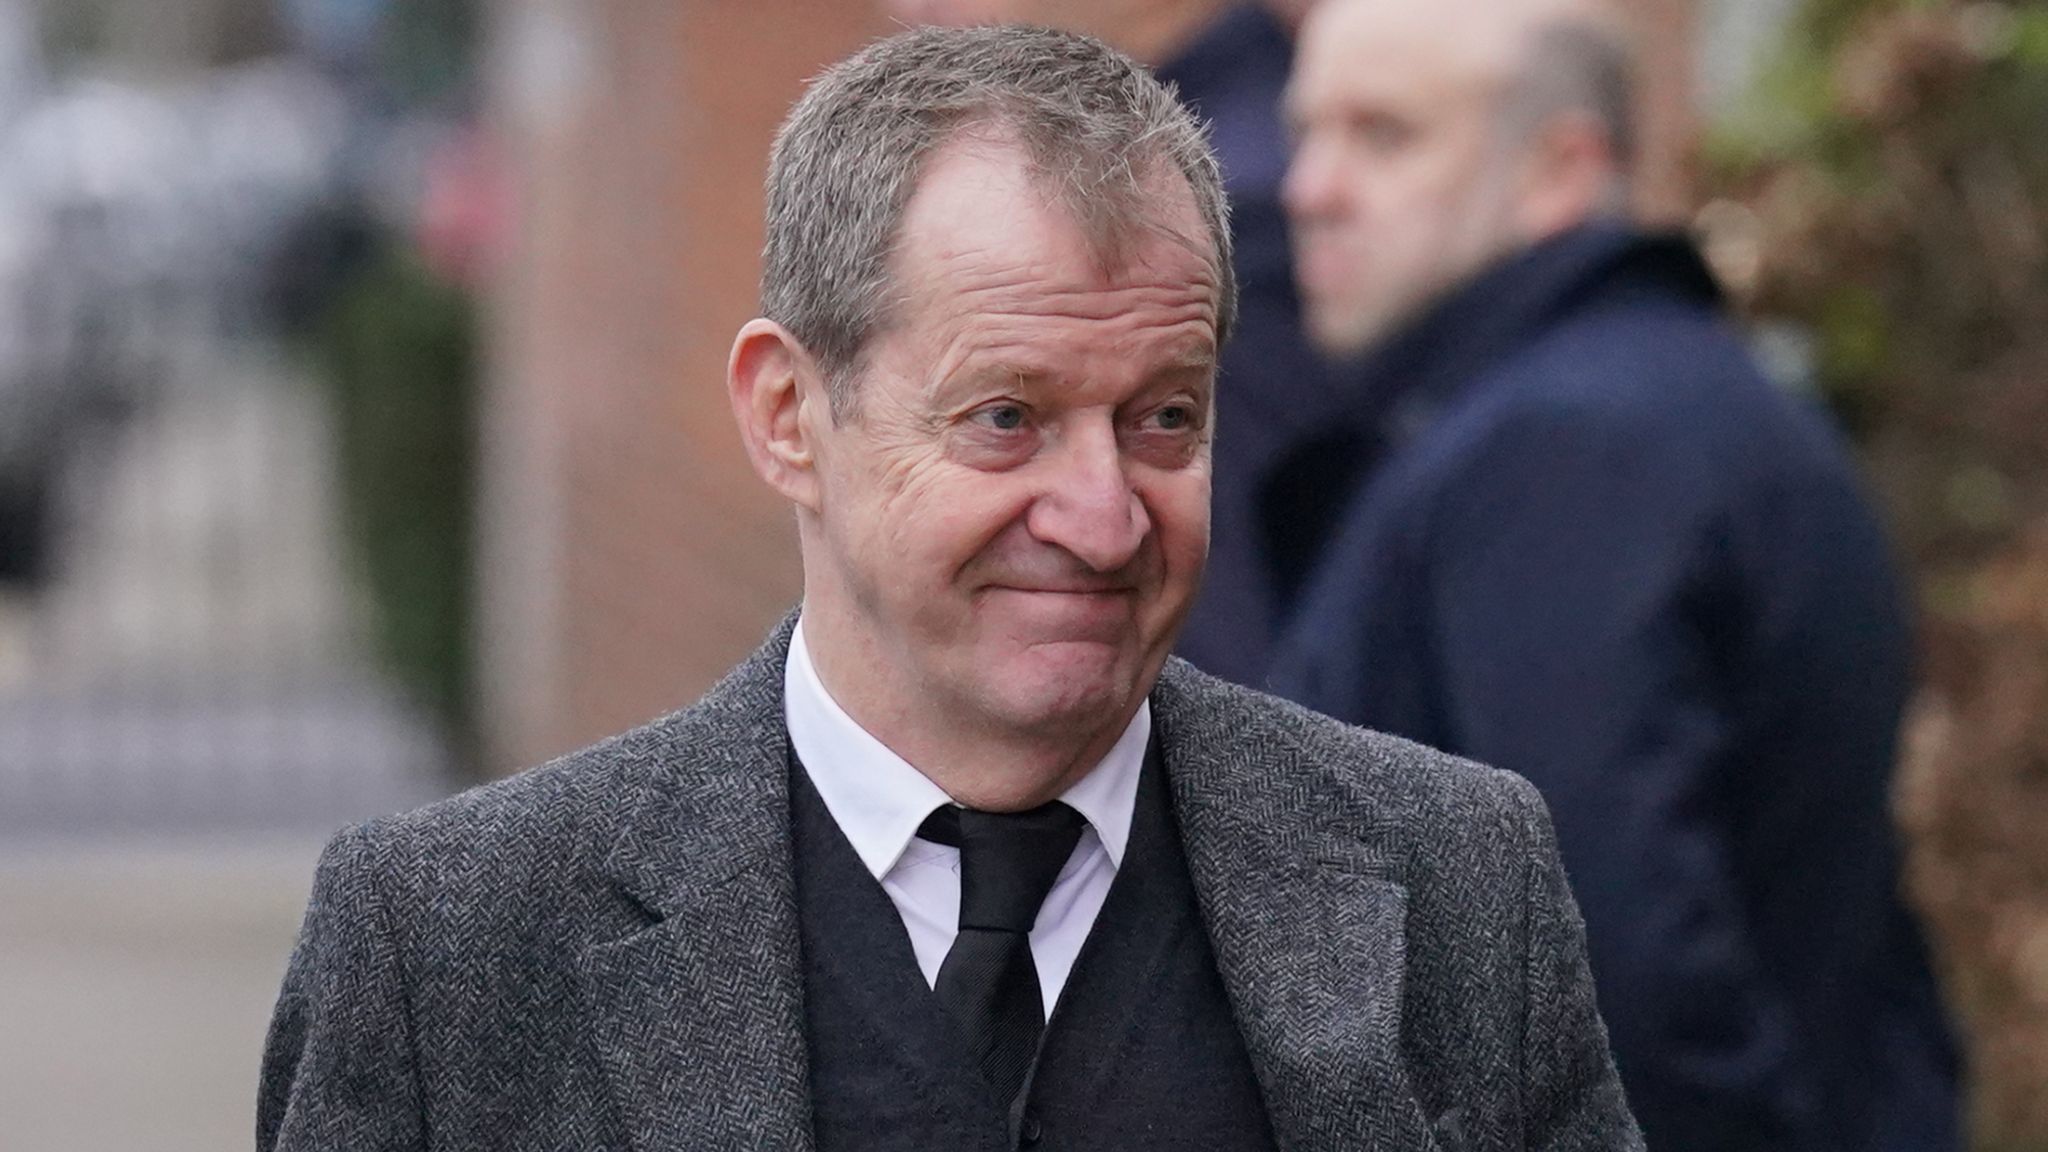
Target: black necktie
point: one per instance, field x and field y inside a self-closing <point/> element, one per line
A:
<point x="988" y="983"/>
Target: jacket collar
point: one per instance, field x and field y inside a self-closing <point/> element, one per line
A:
<point x="697" y="1015"/>
<point x="1306" y="911"/>
<point x="1412" y="375"/>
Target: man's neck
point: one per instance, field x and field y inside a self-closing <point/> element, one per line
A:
<point x="979" y="765"/>
<point x="1009" y="775"/>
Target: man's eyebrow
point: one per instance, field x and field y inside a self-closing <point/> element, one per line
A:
<point x="1191" y="358"/>
<point x="995" y="372"/>
<point x="974" y="378"/>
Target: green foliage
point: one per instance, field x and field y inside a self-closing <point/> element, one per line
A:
<point x="1853" y="331"/>
<point x="1895" y="171"/>
<point x="427" y="48"/>
<point x="399" y="350"/>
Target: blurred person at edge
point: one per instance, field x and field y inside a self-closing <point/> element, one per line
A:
<point x="961" y="858"/>
<point x="1228" y="62"/>
<point x="1597" y="548"/>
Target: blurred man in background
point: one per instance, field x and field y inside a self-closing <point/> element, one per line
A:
<point x="1596" y="547"/>
<point x="1227" y="61"/>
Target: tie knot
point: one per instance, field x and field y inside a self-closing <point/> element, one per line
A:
<point x="1008" y="860"/>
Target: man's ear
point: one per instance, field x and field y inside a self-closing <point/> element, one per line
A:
<point x="1571" y="176"/>
<point x="770" y="378"/>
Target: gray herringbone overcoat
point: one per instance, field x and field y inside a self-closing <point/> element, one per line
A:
<point x="602" y="953"/>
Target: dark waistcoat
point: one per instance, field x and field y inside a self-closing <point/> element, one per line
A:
<point x="1141" y="1051"/>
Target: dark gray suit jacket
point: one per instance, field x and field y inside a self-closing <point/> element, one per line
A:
<point x="602" y="953"/>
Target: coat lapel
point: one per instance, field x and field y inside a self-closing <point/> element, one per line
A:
<point x="696" y="1010"/>
<point x="1307" y="918"/>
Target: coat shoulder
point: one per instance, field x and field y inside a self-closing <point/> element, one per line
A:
<point x="569" y="811"/>
<point x="1421" y="803"/>
<point x="540" y="811"/>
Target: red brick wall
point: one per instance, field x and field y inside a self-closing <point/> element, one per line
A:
<point x="630" y="554"/>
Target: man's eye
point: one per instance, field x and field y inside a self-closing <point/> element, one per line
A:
<point x="1174" y="417"/>
<point x="1002" y="417"/>
<point x="1381" y="133"/>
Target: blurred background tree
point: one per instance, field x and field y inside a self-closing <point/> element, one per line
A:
<point x="397" y="345"/>
<point x="392" y="327"/>
<point x="1884" y="196"/>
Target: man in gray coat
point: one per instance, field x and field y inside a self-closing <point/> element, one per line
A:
<point x="960" y="858"/>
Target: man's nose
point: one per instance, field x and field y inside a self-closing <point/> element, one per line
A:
<point x="1311" y="181"/>
<point x="1090" y="507"/>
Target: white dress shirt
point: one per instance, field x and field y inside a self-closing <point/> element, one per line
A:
<point x="878" y="800"/>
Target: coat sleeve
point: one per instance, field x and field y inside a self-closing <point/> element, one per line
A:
<point x="1571" y="1095"/>
<point x="1574" y="611"/>
<point x="339" y="1066"/>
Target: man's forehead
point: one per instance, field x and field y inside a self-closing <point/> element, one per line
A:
<point x="1444" y="36"/>
<point x="980" y="206"/>
<point x="1351" y="44"/>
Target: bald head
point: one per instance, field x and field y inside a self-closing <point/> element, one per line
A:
<point x="1436" y="137"/>
<point x="1467" y="40"/>
<point x="1488" y="34"/>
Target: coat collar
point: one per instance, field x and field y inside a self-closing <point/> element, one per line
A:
<point x="1306" y="912"/>
<point x="697" y="1012"/>
<point x="1424" y="366"/>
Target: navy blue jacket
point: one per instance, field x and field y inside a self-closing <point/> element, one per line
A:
<point x="1272" y="389"/>
<point x="1598" y="548"/>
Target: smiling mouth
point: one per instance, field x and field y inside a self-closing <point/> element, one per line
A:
<point x="1058" y="615"/>
<point x="1084" y="592"/>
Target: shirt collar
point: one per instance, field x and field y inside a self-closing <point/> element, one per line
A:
<point x="878" y="799"/>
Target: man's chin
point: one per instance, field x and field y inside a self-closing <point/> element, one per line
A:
<point x="1074" y="685"/>
<point x="1345" y="336"/>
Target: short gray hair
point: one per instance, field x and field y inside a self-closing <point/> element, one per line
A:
<point x="1093" y="124"/>
<point x="1575" y="65"/>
